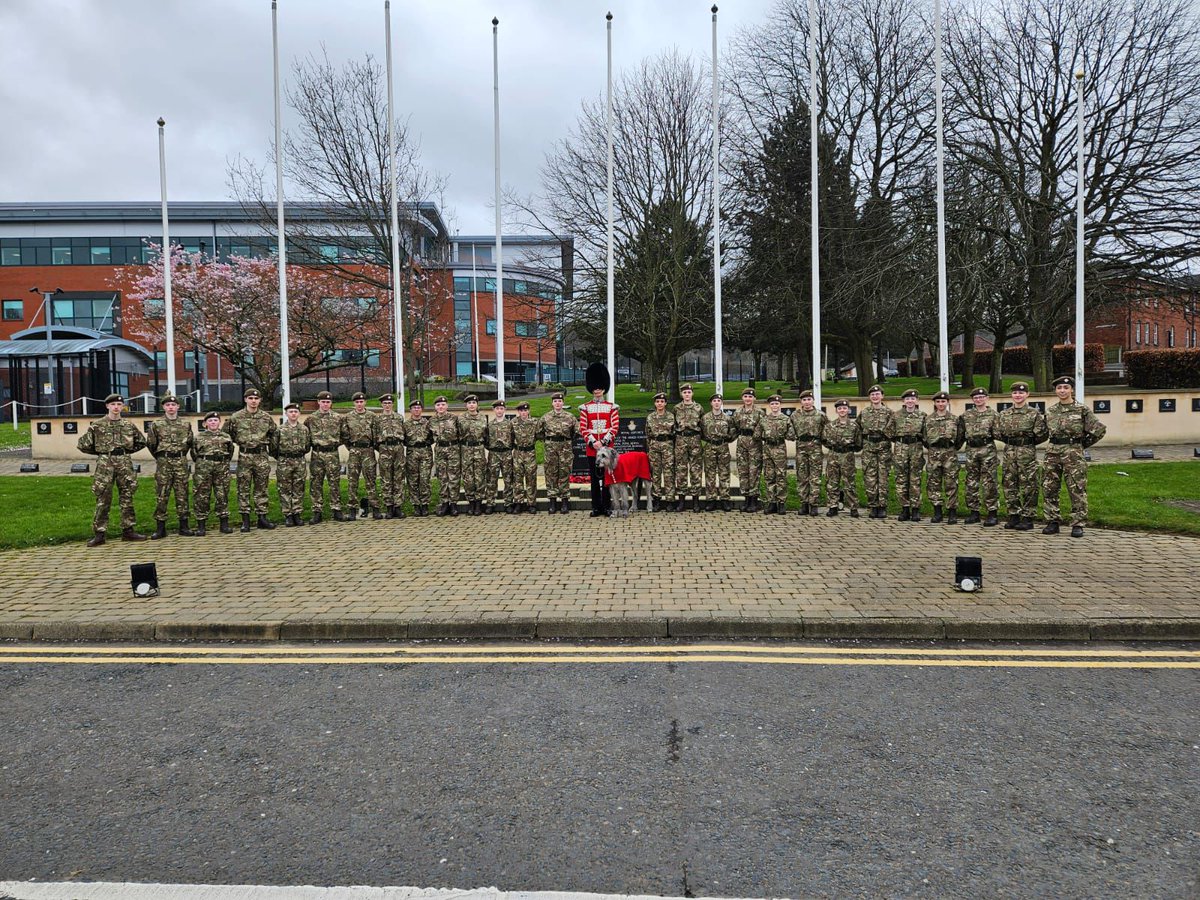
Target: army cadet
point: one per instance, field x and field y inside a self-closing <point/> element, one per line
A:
<point x="113" y="440"/>
<point x="908" y="455"/>
<point x="843" y="437"/>
<point x="1072" y="428"/>
<point x="942" y="437"/>
<point x="449" y="456"/>
<point x="389" y="438"/>
<point x="498" y="440"/>
<point x="325" y="428"/>
<point x="418" y="462"/>
<point x="1022" y="428"/>
<point x="716" y="430"/>
<point x="749" y="450"/>
<point x="982" y="494"/>
<point x="212" y="451"/>
<point x="689" y="464"/>
<point x="358" y="434"/>
<point x="525" y="431"/>
<point x="472" y="433"/>
<point x="169" y="440"/>
<point x="660" y="447"/>
<point x="252" y="429"/>
<point x="557" y="430"/>
<point x="289" y="445"/>
<point x="878" y="424"/>
<point x="773" y="430"/>
<point x="808" y="424"/>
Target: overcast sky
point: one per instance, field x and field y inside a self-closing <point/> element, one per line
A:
<point x="82" y="83"/>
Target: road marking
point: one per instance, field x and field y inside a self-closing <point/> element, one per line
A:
<point x="99" y="890"/>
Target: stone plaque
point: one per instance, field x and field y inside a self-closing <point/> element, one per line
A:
<point x="1100" y="407"/>
<point x="1166" y="405"/>
<point x="43" y="427"/>
<point x="630" y="437"/>
<point x="80" y="468"/>
<point x="1133" y="406"/>
<point x="70" y="428"/>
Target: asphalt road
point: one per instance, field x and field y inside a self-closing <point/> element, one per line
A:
<point x="672" y="778"/>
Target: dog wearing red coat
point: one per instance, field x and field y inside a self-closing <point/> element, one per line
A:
<point x="625" y="475"/>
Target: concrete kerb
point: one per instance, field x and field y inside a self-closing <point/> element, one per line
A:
<point x="1182" y="629"/>
<point x="93" y="632"/>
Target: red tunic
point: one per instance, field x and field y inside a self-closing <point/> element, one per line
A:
<point x="598" y="421"/>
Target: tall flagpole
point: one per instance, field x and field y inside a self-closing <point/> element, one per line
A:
<point x="475" y="317"/>
<point x="1079" y="237"/>
<point x="612" y="340"/>
<point x="285" y="363"/>
<point x="499" y="238"/>
<point x="718" y="353"/>
<point x="814" y="236"/>
<point x="943" y="328"/>
<point x="396" y="299"/>
<point x="168" y="305"/>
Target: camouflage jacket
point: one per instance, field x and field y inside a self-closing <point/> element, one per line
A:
<point x="909" y="425"/>
<point x="251" y="430"/>
<point x="808" y="426"/>
<point x="687" y="418"/>
<point x="878" y="425"/>
<point x="716" y="428"/>
<point x="358" y="429"/>
<point x="445" y="428"/>
<point x="773" y="430"/>
<point x="325" y="428"/>
<point x="525" y="432"/>
<point x="1021" y="426"/>
<point x="744" y="420"/>
<point x="499" y="435"/>
<point x="417" y="432"/>
<point x="169" y="436"/>
<point x="472" y="428"/>
<point x="660" y="427"/>
<point x="842" y="435"/>
<point x="978" y="426"/>
<point x="559" y="424"/>
<point x="1073" y="423"/>
<point x="944" y="432"/>
<point x="291" y="440"/>
<point x="211" y="444"/>
<point x="106" y="435"/>
<point x="389" y="429"/>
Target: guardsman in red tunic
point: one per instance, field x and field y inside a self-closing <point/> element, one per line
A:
<point x="598" y="423"/>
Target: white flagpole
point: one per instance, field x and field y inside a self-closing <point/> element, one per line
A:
<point x="814" y="238"/>
<point x="168" y="305"/>
<point x="475" y="317"/>
<point x="1079" y="237"/>
<point x="285" y="364"/>
<point x="612" y="339"/>
<point x="943" y="327"/>
<point x="499" y="238"/>
<point x="718" y="353"/>
<point x="396" y="299"/>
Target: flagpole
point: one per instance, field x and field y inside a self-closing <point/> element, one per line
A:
<point x="943" y="327"/>
<point x="719" y="354"/>
<point x="475" y="317"/>
<point x="612" y="342"/>
<point x="397" y="302"/>
<point x="285" y="364"/>
<point x="499" y="238"/>
<point x="168" y="305"/>
<point x="1079" y="237"/>
<point x="814" y="235"/>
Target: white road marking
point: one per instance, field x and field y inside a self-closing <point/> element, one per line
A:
<point x="98" y="890"/>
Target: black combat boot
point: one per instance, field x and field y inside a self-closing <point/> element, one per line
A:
<point x="1076" y="531"/>
<point x="531" y="508"/>
<point x="904" y="514"/>
<point x="831" y="512"/>
<point x="991" y="521"/>
<point x="97" y="539"/>
<point x="804" y="509"/>
<point x="814" y="509"/>
<point x="972" y="518"/>
<point x="184" y="529"/>
<point x="160" y="530"/>
<point x="1051" y="528"/>
<point x="727" y="505"/>
<point x="710" y="505"/>
<point x="316" y="517"/>
<point x="1012" y="523"/>
<point x="854" y="512"/>
<point x="452" y="508"/>
<point x="299" y="520"/>
<point x="265" y="523"/>
<point x="201" y="528"/>
<point x="225" y="526"/>
<point x="287" y="521"/>
<point x="679" y="504"/>
<point x="552" y="504"/>
<point x="696" y="504"/>
<point x="132" y="536"/>
<point x="915" y="514"/>
<point x="1026" y="524"/>
<point x="442" y="509"/>
<point x="936" y="518"/>
<point x="566" y="505"/>
<point x="952" y="516"/>
<point x="376" y="514"/>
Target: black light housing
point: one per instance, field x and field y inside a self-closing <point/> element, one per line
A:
<point x="144" y="579"/>
<point x="968" y="573"/>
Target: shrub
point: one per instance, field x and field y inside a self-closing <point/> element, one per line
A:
<point x="1152" y="369"/>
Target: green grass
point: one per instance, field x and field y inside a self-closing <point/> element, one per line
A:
<point x="14" y="437"/>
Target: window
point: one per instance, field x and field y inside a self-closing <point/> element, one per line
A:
<point x="1112" y="354"/>
<point x="1171" y="336"/>
<point x="14" y="310"/>
<point x="1155" y="334"/>
<point x="189" y="361"/>
<point x="10" y="256"/>
<point x="94" y="311"/>
<point x="101" y="254"/>
<point x="60" y="256"/>
<point x="1146" y="333"/>
<point x="154" y="307"/>
<point x="531" y="329"/>
<point x="491" y="326"/>
<point x="160" y="360"/>
<point x="1137" y="333"/>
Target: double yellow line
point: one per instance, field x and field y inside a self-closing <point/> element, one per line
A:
<point x="810" y="655"/>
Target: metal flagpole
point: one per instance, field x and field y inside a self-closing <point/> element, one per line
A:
<point x="397" y="302"/>
<point x="612" y="340"/>
<point x="814" y="237"/>
<point x="285" y="364"/>
<point x="168" y="305"/>
<point x="943" y="328"/>
<point x="718" y="352"/>
<point x="499" y="239"/>
<point x="475" y="317"/>
<point x="1079" y="237"/>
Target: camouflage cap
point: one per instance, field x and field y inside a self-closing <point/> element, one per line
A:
<point x="806" y="395"/>
<point x="359" y="395"/>
<point x="295" y="406"/>
<point x="416" y="404"/>
<point x="684" y="387"/>
<point x="1064" y="379"/>
<point x="556" y="396"/>
<point x="749" y="392"/>
<point x="498" y="403"/>
<point x="839" y="403"/>
<point x="774" y="398"/>
<point x="470" y="398"/>
<point x="873" y="388"/>
<point x="113" y="398"/>
<point x="979" y="392"/>
<point x="941" y="395"/>
<point x="522" y="405"/>
<point x="386" y="398"/>
<point x="1020" y="387"/>
<point x="440" y="398"/>
<point x="660" y="396"/>
<point x="910" y="393"/>
<point x="324" y="395"/>
<point x="252" y="392"/>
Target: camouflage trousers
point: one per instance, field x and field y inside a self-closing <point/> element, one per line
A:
<point x="556" y="464"/>
<point x="474" y="473"/>
<point x="808" y="472"/>
<point x="1020" y="481"/>
<point x="876" y="463"/>
<point x="1064" y="464"/>
<point x="110" y="474"/>
<point x="840" y="489"/>
<point x="325" y="465"/>
<point x="391" y="475"/>
<point x="662" y="470"/>
<point x="909" y="460"/>
<point x="253" y="476"/>
<point x="774" y="457"/>
<point x="500" y="466"/>
<point x="210" y="483"/>
<point x="524" y="468"/>
<point x="749" y="465"/>
<point x="291" y="473"/>
<point x="361" y="460"/>
<point x="980" y="479"/>
<point x="170" y="475"/>
<point x="942" y="481"/>
<point x="448" y="464"/>
<point x="716" y="471"/>
<point x="418" y="468"/>
<point x="689" y="467"/>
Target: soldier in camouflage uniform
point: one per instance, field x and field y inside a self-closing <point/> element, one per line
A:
<point x="113" y="440"/>
<point x="943" y="436"/>
<point x="982" y="494"/>
<point x="525" y="431"/>
<point x="212" y="451"/>
<point x="472" y="435"/>
<point x="418" y="462"/>
<point x="325" y="428"/>
<point x="878" y="424"/>
<point x="843" y="438"/>
<point x="169" y="440"/>
<point x="389" y="438"/>
<point x="749" y="450"/>
<point x="1072" y="428"/>
<point x="908" y="455"/>
<point x="289" y="446"/>
<point x="449" y="456"/>
<point x="689" y="464"/>
<point x="660" y="447"/>
<point x="358" y="434"/>
<point x="1022" y="428"/>
<point x="252" y="429"/>
<point x="773" y="431"/>
<point x="716" y="430"/>
<point x="498" y="439"/>
<point x="557" y="430"/>
<point x="808" y="424"/>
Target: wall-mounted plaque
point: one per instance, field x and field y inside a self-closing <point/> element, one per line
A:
<point x="1001" y="407"/>
<point x="1166" y="405"/>
<point x="70" y="428"/>
<point x="853" y="411"/>
<point x="43" y="427"/>
<point x="1039" y="405"/>
<point x="1196" y="404"/>
<point x="1133" y="406"/>
<point x="1101" y="406"/>
<point x="146" y="425"/>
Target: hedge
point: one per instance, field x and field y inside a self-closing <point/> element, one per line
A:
<point x="1018" y="361"/>
<point x="1151" y="369"/>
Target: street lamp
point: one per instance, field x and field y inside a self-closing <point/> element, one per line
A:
<point x="47" y="303"/>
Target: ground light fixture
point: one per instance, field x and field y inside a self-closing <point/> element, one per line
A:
<point x="144" y="579"/>
<point x="968" y="573"/>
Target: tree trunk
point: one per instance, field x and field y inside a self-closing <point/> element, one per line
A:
<point x="756" y="355"/>
<point x="996" y="380"/>
<point x="968" y="361"/>
<point x="1040" y="358"/>
<point x="921" y="369"/>
<point x="803" y="366"/>
<point x="861" y="348"/>
<point x="880" y="375"/>
<point x="673" y="372"/>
